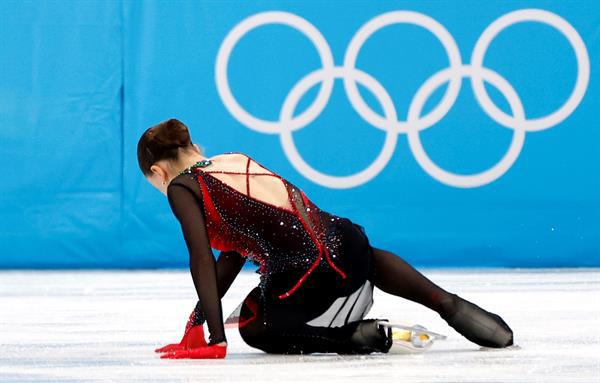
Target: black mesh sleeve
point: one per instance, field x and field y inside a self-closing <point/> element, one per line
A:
<point x="229" y="265"/>
<point x="186" y="205"/>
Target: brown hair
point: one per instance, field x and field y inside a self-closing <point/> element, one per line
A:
<point x="161" y="142"/>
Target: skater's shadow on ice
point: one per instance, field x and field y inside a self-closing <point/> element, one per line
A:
<point x="471" y="350"/>
<point x="264" y="358"/>
<point x="258" y="357"/>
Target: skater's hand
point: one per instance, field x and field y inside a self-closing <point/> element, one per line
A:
<point x="193" y="336"/>
<point x="217" y="351"/>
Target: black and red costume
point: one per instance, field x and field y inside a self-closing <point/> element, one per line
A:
<point x="317" y="270"/>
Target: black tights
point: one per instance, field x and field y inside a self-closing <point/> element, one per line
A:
<point x="395" y="276"/>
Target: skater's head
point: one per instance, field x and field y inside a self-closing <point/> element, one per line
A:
<point x="164" y="150"/>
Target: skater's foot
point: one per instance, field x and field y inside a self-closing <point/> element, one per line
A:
<point x="476" y="324"/>
<point x="369" y="336"/>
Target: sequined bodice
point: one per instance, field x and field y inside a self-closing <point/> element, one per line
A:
<point x="275" y="238"/>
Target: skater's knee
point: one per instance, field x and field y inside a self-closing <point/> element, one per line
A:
<point x="250" y="323"/>
<point x="260" y="337"/>
<point x="253" y="336"/>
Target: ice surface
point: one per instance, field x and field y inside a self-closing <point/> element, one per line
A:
<point x="82" y="326"/>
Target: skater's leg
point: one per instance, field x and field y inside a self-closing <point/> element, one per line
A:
<point x="284" y="334"/>
<point x="395" y="276"/>
<point x="358" y="337"/>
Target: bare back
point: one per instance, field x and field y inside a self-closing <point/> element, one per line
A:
<point x="245" y="175"/>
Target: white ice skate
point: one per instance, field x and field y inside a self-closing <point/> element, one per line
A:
<point x="410" y="339"/>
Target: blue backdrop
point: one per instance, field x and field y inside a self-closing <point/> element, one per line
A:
<point x="461" y="133"/>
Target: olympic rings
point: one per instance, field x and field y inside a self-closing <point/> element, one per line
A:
<point x="389" y="122"/>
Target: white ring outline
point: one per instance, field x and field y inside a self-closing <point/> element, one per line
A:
<point x="222" y="62"/>
<point x="583" y="67"/>
<point x="403" y="17"/>
<point x="286" y="117"/>
<point x="486" y="176"/>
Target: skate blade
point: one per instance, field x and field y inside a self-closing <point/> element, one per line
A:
<point x="418" y="329"/>
<point x="402" y="342"/>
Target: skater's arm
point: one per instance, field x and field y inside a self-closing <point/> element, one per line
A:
<point x="229" y="265"/>
<point x="187" y="209"/>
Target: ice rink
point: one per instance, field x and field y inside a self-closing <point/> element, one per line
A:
<point x="96" y="326"/>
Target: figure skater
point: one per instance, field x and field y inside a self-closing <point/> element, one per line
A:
<point x="317" y="270"/>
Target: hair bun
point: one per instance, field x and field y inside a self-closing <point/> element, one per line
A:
<point x="172" y="134"/>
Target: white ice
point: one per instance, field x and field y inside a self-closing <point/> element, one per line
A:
<point x="82" y="326"/>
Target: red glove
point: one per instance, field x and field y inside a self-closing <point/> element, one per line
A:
<point x="205" y="352"/>
<point x="193" y="337"/>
